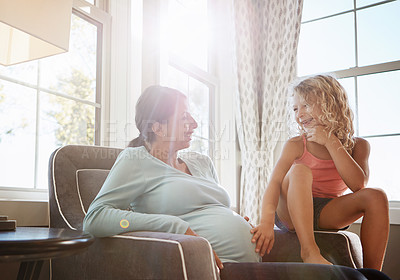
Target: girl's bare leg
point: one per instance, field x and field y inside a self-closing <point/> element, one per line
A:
<point x="373" y="205"/>
<point x="295" y="208"/>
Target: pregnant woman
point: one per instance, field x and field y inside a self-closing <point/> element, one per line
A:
<point x="152" y="187"/>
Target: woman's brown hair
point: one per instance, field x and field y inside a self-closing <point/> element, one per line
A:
<point x="156" y="104"/>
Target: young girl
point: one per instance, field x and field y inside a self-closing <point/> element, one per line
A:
<point x="305" y="192"/>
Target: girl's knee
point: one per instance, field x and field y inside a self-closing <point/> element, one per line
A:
<point x="298" y="173"/>
<point x="300" y="170"/>
<point x="374" y="197"/>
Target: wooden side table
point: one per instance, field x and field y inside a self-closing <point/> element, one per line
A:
<point x="31" y="246"/>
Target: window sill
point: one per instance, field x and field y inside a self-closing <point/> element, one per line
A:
<point x="23" y="194"/>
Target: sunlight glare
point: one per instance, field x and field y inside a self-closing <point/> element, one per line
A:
<point x="186" y="31"/>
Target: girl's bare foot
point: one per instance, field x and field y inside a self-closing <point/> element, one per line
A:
<point x="314" y="256"/>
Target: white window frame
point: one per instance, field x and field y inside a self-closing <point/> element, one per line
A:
<point x="205" y="77"/>
<point x="102" y="20"/>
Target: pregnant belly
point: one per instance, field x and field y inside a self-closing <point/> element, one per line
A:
<point x="228" y="233"/>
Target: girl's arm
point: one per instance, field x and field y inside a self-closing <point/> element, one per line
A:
<point x="354" y="168"/>
<point x="263" y="234"/>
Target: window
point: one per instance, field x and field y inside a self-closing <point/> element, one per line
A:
<point x="359" y="42"/>
<point x="185" y="45"/>
<point x="48" y="103"/>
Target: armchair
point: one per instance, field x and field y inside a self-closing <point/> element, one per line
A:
<point x="76" y="174"/>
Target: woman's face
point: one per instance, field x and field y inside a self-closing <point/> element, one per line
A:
<point x="179" y="127"/>
<point x="307" y="114"/>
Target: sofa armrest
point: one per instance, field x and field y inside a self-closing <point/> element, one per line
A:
<point x="141" y="255"/>
<point x="342" y="248"/>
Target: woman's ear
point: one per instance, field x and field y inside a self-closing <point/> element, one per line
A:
<point x="157" y="129"/>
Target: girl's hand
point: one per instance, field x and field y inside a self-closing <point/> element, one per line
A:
<point x="189" y="231"/>
<point x="264" y="237"/>
<point x="318" y="134"/>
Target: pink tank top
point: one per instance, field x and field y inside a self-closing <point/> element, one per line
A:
<point x="326" y="179"/>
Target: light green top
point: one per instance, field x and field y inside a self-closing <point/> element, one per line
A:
<point x="153" y="196"/>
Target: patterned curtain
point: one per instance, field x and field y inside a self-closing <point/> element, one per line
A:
<point x="267" y="35"/>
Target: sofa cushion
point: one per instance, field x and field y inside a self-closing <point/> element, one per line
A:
<point x="88" y="184"/>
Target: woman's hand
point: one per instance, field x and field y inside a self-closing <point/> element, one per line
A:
<point x="189" y="231"/>
<point x="264" y="237"/>
<point x="218" y="261"/>
<point x="247" y="220"/>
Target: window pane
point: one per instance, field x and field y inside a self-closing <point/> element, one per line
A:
<point x="177" y="79"/>
<point x="385" y="154"/>
<point x="326" y="45"/>
<point x="378" y="103"/>
<point x="198" y="97"/>
<point x="187" y="31"/>
<point x="62" y="122"/>
<point x="26" y="72"/>
<point x="73" y="122"/>
<point x="313" y="9"/>
<point x="77" y="66"/>
<point x="199" y="106"/>
<point x="349" y="86"/>
<point x="47" y="137"/>
<point x="17" y="135"/>
<point x="379" y="34"/>
<point x="363" y="3"/>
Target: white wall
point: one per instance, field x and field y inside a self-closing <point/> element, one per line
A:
<point x="26" y="213"/>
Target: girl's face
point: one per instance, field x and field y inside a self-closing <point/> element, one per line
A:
<point x="307" y="114"/>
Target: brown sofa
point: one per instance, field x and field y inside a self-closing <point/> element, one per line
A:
<point x="76" y="174"/>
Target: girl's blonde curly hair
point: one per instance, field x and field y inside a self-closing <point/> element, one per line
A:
<point x="325" y="91"/>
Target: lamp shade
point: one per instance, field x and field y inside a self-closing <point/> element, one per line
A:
<point x="32" y="29"/>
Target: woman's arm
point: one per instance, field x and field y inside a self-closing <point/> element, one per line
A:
<point x="354" y="168"/>
<point x="109" y="213"/>
<point x="107" y="220"/>
<point x="263" y="234"/>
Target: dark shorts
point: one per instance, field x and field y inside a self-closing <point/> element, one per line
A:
<point x="319" y="203"/>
